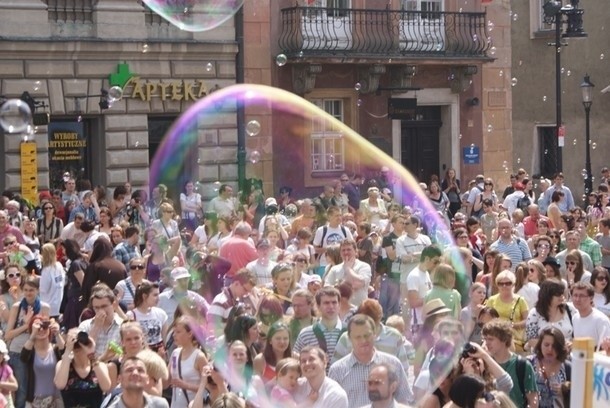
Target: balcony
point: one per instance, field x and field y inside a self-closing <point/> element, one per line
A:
<point x="320" y="32"/>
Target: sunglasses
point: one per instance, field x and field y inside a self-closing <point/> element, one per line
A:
<point x="13" y="275"/>
<point x="602" y="278"/>
<point x="505" y="284"/>
<point x="547" y="246"/>
<point x="134" y="267"/>
<point x="488" y="184"/>
<point x="48" y="208"/>
<point x="7" y="243"/>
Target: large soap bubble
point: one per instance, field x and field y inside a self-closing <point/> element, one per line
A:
<point x="193" y="150"/>
<point x="195" y="15"/>
<point x="15" y="116"/>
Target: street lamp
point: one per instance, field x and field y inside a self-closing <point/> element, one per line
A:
<point x="587" y="100"/>
<point x="554" y="12"/>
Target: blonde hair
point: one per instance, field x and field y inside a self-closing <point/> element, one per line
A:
<point x="155" y="365"/>
<point x="506" y="274"/>
<point x="49" y="254"/>
<point x="396" y="322"/>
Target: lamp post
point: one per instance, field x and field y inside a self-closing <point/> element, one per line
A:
<point x="587" y="100"/>
<point x="554" y="12"/>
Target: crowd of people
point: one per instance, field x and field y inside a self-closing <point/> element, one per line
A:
<point x="449" y="295"/>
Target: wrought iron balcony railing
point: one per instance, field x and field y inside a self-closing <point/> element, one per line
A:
<point x="333" y="32"/>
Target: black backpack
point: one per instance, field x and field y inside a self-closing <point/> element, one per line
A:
<point x="523" y="203"/>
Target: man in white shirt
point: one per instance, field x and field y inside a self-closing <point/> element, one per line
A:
<point x="419" y="284"/>
<point x="315" y="388"/>
<point x="382" y="385"/>
<point x="409" y="248"/>
<point x="224" y="205"/>
<point x="353" y="271"/>
<point x="332" y="233"/>
<point x="588" y="322"/>
<point x="262" y="265"/>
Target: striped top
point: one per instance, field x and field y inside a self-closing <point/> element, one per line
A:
<point x="517" y="250"/>
<point x="307" y="337"/>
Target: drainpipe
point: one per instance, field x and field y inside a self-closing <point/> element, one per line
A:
<point x="239" y="78"/>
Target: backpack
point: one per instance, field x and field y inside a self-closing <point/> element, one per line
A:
<point x="523" y="203"/>
<point x="520" y="368"/>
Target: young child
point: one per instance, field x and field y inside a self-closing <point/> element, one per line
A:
<point x="7" y="379"/>
<point x="288" y="371"/>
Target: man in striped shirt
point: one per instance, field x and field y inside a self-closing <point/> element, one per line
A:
<point x="352" y="371"/>
<point x="230" y="296"/>
<point x="510" y="245"/>
<point x="324" y="333"/>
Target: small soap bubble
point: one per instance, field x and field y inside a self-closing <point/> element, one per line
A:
<point x="255" y="156"/>
<point x="15" y="116"/>
<point x="209" y="67"/>
<point x="490" y="26"/>
<point x="501" y="73"/>
<point x="601" y="56"/>
<point x="515" y="17"/>
<point x="79" y="119"/>
<point x="475" y="38"/>
<point x="514" y="81"/>
<point x="281" y="60"/>
<point x="137" y="143"/>
<point x="144" y="48"/>
<point x="115" y="93"/>
<point x="301" y="54"/>
<point x="558" y="50"/>
<point x="583" y="173"/>
<point x="358" y="86"/>
<point x="563" y="70"/>
<point x="492" y="50"/>
<point x="546" y="151"/>
<point x="37" y="84"/>
<point x="439" y="47"/>
<point x="460" y="136"/>
<point x="489" y="128"/>
<point x="460" y="10"/>
<point x="253" y="128"/>
<point x="574" y="142"/>
<point x="472" y="145"/>
<point x="518" y="160"/>
<point x="568" y="73"/>
<point x="520" y="62"/>
<point x="544" y="98"/>
<point x="593" y="145"/>
<point x="198" y="160"/>
<point x="359" y="102"/>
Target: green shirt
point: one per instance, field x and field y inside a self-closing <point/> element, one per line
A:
<point x="529" y="382"/>
<point x="590" y="246"/>
<point x="450" y="297"/>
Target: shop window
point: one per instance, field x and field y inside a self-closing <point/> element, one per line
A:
<point x="538" y="28"/>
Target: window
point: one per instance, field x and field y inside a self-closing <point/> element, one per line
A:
<point x="537" y="25"/>
<point x="429" y="9"/>
<point x="335" y="8"/>
<point x="327" y="144"/>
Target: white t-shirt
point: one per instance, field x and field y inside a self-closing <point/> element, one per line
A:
<point x="596" y="326"/>
<point x="362" y="269"/>
<point x="52" y="281"/>
<point x="529" y="292"/>
<point x="420" y="282"/>
<point x="330" y="394"/>
<point x="151" y="323"/>
<point x="262" y="272"/>
<point x="202" y="237"/>
<point x="405" y="245"/>
<point x="128" y="289"/>
<point x="333" y="236"/>
<point x="193" y="199"/>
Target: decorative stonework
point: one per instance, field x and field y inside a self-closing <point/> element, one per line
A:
<point x="368" y="77"/>
<point x="304" y="77"/>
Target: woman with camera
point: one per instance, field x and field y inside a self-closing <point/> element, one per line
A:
<point x="39" y="356"/>
<point x="476" y="361"/>
<point x="82" y="378"/>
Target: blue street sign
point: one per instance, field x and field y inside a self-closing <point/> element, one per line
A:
<point x="471" y="154"/>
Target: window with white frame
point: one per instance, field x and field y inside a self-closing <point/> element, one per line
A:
<point x="336" y="8"/>
<point x="424" y="6"/>
<point x="537" y="24"/>
<point x="327" y="144"/>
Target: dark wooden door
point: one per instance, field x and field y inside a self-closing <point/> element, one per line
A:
<point x="420" y="143"/>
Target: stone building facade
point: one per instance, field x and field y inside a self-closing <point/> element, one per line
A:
<point x="64" y="57"/>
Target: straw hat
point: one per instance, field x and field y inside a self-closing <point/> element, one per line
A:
<point x="434" y="307"/>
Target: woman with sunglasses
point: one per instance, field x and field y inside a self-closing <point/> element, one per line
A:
<point x="550" y="311"/>
<point x="81" y="377"/>
<point x="575" y="271"/>
<point x="488" y="192"/>
<point x="152" y="318"/>
<point x="11" y="283"/>
<point x="552" y="369"/>
<point x="601" y="285"/>
<point x="510" y="306"/>
<point x="40" y="356"/>
<point x="49" y="226"/>
<point x="541" y="247"/>
<point x="126" y="288"/>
